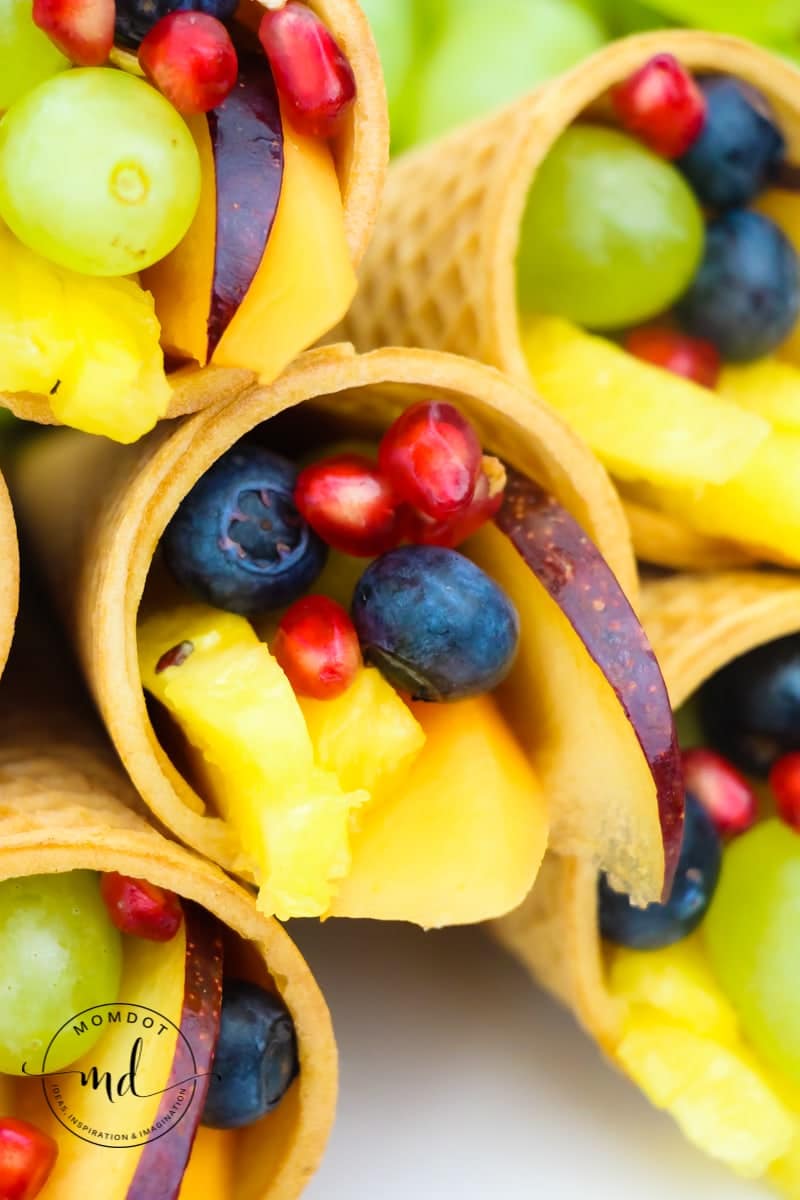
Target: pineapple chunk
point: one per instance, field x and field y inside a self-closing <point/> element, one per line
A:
<point x="462" y="839"/>
<point x="769" y="387"/>
<point x="253" y="752"/>
<point x="678" y="982"/>
<point x="721" y="1102"/>
<point x="367" y="736"/>
<point x="641" y="421"/>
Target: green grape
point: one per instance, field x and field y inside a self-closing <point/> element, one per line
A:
<point x="629" y="16"/>
<point x="492" y="53"/>
<point x="98" y="172"/>
<point x="751" y="933"/>
<point x="611" y="235"/>
<point x="27" y="56"/>
<point x="765" y="20"/>
<point x="394" y="33"/>
<point x="59" y="954"/>
<point x="687" y="723"/>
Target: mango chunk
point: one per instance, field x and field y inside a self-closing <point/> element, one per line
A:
<point x="209" y="1172"/>
<point x="253" y="754"/>
<point x="770" y="388"/>
<point x="462" y="839"/>
<point x="641" y="421"/>
<point x="368" y="737"/>
<point x="722" y="1103"/>
<point x="783" y="207"/>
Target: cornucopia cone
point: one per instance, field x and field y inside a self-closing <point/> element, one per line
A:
<point x="300" y="288"/>
<point x="697" y="1063"/>
<point x="441" y="270"/>
<point x="100" y="549"/>
<point x="9" y="583"/>
<point x="67" y="810"/>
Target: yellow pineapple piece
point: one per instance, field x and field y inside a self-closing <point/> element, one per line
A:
<point x="253" y="751"/>
<point x="678" y="982"/>
<point x="461" y="839"/>
<point x="367" y="736"/>
<point x="721" y="1102"/>
<point x="769" y="387"/>
<point x="90" y="343"/>
<point x="641" y="421"/>
<point x="783" y="207"/>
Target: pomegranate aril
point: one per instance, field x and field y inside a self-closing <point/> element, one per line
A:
<point x="317" y="647"/>
<point x="350" y="504"/>
<point x="141" y="909"/>
<point x="485" y="505"/>
<point x="724" y="793"/>
<point x="432" y="457"/>
<point x="312" y="74"/>
<point x="662" y="105"/>
<point x="83" y="30"/>
<point x="27" y="1156"/>
<point x="784" y="779"/>
<point x="692" y="358"/>
<point x="190" y="58"/>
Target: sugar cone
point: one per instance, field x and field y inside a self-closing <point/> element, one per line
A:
<point x="98" y="543"/>
<point x="9" y="580"/>
<point x="441" y="268"/>
<point x="65" y="805"/>
<point x="696" y="624"/>
<point x="361" y="153"/>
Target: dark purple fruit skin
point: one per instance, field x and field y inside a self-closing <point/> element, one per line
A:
<point x="696" y="878"/>
<point x="135" y="18"/>
<point x="247" y="141"/>
<point x="434" y="623"/>
<point x="750" y="710"/>
<point x="237" y="541"/>
<point x="256" y="1058"/>
<point x="739" y="148"/>
<point x="745" y="297"/>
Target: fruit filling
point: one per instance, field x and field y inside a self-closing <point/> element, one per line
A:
<point x="89" y="962"/>
<point x="659" y="295"/>
<point x="197" y="200"/>
<point x="361" y="656"/>
<point x="710" y="1030"/>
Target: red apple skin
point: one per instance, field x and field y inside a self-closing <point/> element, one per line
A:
<point x="246" y="133"/>
<point x="577" y="577"/>
<point x="159" y="1172"/>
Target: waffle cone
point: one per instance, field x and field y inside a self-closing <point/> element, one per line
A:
<point x="696" y="624"/>
<point x="98" y="542"/>
<point x="9" y="579"/>
<point x="361" y="152"/>
<point x="441" y="268"/>
<point x="66" y="805"/>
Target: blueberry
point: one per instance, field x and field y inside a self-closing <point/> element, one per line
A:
<point x="739" y="147"/>
<point x="750" y="710"/>
<point x="255" y="1059"/>
<point x="696" y="878"/>
<point x="745" y="297"/>
<point x="135" y="18"/>
<point x="434" y="624"/>
<point x="237" y="541"/>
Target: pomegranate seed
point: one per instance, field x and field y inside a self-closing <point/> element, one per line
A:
<point x="317" y="646"/>
<point x="723" y="792"/>
<point x="311" y="73"/>
<point x="190" y="58"/>
<point x="140" y="908"/>
<point x="689" y="357"/>
<point x="27" y="1156"/>
<point x="83" y="30"/>
<point x="485" y="504"/>
<point x="432" y="458"/>
<point x="784" y="779"/>
<point x="662" y="105"/>
<point x="349" y="503"/>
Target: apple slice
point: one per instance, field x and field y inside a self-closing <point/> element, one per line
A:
<point x="586" y="695"/>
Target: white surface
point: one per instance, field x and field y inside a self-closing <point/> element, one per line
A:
<point x="460" y="1079"/>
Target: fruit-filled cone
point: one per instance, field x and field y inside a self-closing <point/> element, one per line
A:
<point x="159" y="1036"/>
<point x="9" y="581"/>
<point x="311" y="684"/>
<point x="626" y="237"/>
<point x="693" y="999"/>
<point x="185" y="197"/>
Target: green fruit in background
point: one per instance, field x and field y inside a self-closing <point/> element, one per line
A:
<point x="766" y="20"/>
<point x="492" y="53"/>
<point x="395" y="35"/>
<point x="629" y="16"/>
